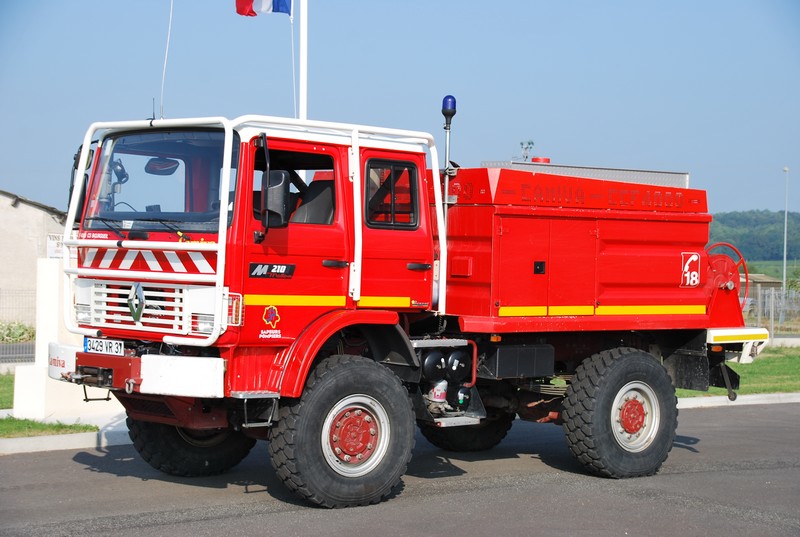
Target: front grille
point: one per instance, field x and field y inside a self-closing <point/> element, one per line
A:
<point x="164" y="308"/>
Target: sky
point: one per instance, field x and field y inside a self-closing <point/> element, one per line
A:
<point x="711" y="88"/>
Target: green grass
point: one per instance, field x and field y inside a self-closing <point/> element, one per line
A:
<point x="15" y="428"/>
<point x="775" y="268"/>
<point x="6" y="390"/>
<point x="776" y="370"/>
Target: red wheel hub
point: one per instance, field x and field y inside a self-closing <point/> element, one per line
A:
<point x="354" y="435"/>
<point x="632" y="415"/>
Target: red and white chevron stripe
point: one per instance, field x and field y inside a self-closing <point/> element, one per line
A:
<point x="149" y="260"/>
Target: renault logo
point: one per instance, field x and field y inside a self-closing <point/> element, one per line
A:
<point x="136" y="301"/>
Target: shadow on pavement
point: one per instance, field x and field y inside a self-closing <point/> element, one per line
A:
<point x="253" y="475"/>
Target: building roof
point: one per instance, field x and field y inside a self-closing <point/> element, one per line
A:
<point x="763" y="279"/>
<point x="16" y="199"/>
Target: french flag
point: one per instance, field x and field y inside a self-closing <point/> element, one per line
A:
<point x="251" y="8"/>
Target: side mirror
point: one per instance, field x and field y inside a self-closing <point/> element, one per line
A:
<point x="275" y="199"/>
<point x="75" y="171"/>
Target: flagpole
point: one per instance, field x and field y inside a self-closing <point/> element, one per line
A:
<point x="303" y="90"/>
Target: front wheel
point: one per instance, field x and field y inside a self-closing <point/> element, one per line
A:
<point x="188" y="452"/>
<point x="620" y="414"/>
<point x="347" y="441"/>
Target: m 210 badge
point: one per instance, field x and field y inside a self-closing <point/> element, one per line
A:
<point x="270" y="270"/>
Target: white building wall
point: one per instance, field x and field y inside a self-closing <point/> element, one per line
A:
<point x="23" y="240"/>
<point x="25" y="227"/>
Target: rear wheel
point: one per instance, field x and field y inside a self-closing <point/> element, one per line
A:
<point x="620" y="414"/>
<point x="188" y="452"/>
<point x="348" y="439"/>
<point x="481" y="437"/>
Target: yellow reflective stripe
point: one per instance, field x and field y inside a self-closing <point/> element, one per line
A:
<point x="570" y="310"/>
<point x="686" y="309"/>
<point x="735" y="338"/>
<point x="295" y="300"/>
<point x="585" y="311"/>
<point x="326" y="300"/>
<point x="522" y="311"/>
<point x="385" y="302"/>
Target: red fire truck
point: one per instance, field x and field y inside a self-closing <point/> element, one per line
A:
<point x="323" y="286"/>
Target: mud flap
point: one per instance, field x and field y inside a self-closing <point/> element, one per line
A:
<point x="689" y="371"/>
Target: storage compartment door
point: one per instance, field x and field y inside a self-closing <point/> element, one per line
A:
<point x="521" y="266"/>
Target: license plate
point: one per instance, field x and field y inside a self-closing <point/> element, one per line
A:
<point x="103" y="346"/>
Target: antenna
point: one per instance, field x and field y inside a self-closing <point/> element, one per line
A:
<point x="526" y="149"/>
<point x="166" y="55"/>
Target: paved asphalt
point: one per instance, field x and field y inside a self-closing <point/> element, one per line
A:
<point x="733" y="470"/>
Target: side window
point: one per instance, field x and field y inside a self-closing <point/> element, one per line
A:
<point x="391" y="194"/>
<point x="312" y="193"/>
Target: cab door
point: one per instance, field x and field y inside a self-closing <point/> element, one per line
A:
<point x="299" y="272"/>
<point x="397" y="258"/>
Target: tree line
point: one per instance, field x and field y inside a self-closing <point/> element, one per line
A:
<point x="758" y="234"/>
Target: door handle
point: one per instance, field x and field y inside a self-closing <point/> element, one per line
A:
<point x="418" y="266"/>
<point x="334" y="263"/>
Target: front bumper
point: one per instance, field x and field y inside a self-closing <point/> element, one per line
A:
<point x="157" y="374"/>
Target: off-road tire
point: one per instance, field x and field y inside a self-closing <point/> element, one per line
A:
<point x="481" y="437"/>
<point x="368" y="402"/>
<point x="620" y="414"/>
<point x="188" y="453"/>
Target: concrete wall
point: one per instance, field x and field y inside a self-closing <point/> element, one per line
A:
<point x="23" y="240"/>
<point x="36" y="395"/>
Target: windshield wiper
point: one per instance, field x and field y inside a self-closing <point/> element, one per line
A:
<point x="113" y="225"/>
<point x="169" y="225"/>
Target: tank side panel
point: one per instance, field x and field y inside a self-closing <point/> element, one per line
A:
<point x="642" y="265"/>
<point x="570" y="254"/>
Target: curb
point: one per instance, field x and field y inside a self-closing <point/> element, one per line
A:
<point x="722" y="400"/>
<point x="117" y="435"/>
<point x="34" y="444"/>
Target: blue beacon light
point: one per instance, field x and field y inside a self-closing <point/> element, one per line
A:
<point x="448" y="110"/>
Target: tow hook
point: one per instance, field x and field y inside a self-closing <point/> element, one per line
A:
<point x="130" y="384"/>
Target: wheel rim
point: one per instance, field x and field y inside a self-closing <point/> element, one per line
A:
<point x="355" y="435"/>
<point x="635" y="416"/>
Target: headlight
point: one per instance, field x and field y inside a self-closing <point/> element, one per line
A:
<point x="83" y="313"/>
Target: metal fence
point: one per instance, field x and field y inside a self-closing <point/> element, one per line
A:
<point x="18" y="305"/>
<point x="774" y="310"/>
<point x="17" y="319"/>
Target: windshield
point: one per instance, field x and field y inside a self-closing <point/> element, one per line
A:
<point x="165" y="180"/>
